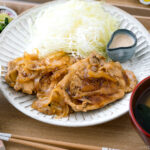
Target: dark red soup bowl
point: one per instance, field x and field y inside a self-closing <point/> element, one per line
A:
<point x="136" y="99"/>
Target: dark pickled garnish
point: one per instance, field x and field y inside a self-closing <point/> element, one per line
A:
<point x="142" y="114"/>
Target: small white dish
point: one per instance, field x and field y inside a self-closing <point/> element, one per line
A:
<point x="9" y="11"/>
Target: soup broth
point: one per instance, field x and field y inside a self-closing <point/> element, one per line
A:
<point x="142" y="110"/>
<point x="147" y="102"/>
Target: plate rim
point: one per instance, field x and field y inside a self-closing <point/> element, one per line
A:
<point x="54" y="121"/>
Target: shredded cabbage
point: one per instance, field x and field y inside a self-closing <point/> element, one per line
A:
<point x="75" y="26"/>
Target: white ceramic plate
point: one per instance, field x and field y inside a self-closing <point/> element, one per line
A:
<point x="15" y="39"/>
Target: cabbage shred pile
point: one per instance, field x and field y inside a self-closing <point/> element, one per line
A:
<point x="75" y="26"/>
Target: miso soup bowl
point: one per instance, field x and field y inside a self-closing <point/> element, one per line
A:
<point x="137" y="92"/>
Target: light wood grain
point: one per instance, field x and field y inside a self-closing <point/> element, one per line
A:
<point x="134" y="10"/>
<point x="128" y="3"/>
<point x="124" y="2"/>
<point x="117" y="134"/>
<point x="19" y="7"/>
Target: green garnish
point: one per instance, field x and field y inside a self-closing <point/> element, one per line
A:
<point x="3" y="16"/>
<point x="4" y="24"/>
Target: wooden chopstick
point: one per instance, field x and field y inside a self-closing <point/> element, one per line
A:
<point x="45" y="143"/>
<point x="35" y="145"/>
<point x="8" y="137"/>
<point x="58" y="143"/>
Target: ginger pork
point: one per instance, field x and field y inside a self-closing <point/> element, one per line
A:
<point x="65" y="84"/>
<point x="28" y="72"/>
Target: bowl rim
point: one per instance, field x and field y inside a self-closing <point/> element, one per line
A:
<point x="131" y="108"/>
<point x="13" y="12"/>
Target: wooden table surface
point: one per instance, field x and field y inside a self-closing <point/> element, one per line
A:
<point x="124" y="2"/>
<point x="118" y="133"/>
